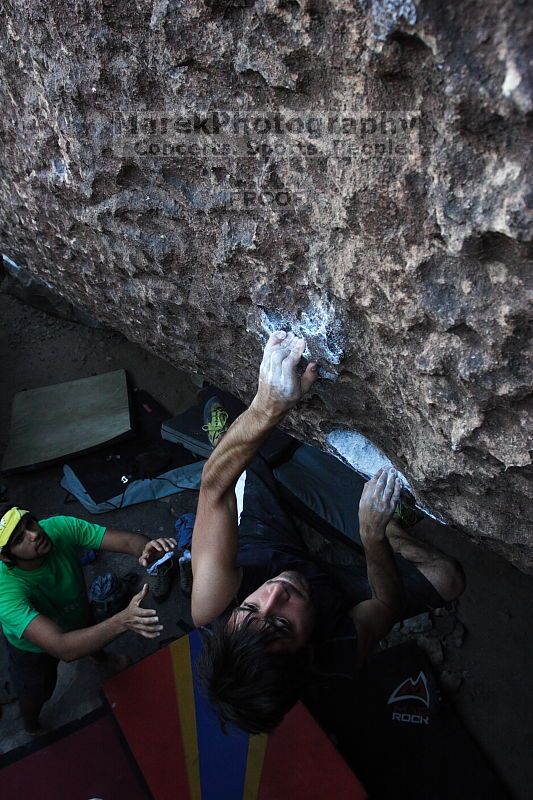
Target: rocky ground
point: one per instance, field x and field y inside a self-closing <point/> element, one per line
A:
<point x="481" y="649"/>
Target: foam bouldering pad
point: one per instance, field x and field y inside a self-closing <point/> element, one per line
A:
<point x="122" y="473"/>
<point x="322" y="491"/>
<point x="179" y="746"/>
<point x="186" y="428"/>
<point x="53" y="422"/>
<point x="85" y="759"/>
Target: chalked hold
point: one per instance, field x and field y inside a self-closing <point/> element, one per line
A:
<point x="321" y="329"/>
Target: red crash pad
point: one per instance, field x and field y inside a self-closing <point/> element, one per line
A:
<point x="85" y="760"/>
<point x="177" y="742"/>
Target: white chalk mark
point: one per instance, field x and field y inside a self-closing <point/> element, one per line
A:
<point x="360" y="453"/>
<point x="387" y="15"/>
<point x="317" y="325"/>
<point x="365" y="458"/>
<point x="512" y="81"/>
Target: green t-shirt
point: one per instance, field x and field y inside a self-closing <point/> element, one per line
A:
<point x="57" y="589"/>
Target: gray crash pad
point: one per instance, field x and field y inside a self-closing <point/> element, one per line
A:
<point x="52" y="422"/>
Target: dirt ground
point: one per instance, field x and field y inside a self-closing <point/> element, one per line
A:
<point x="485" y="658"/>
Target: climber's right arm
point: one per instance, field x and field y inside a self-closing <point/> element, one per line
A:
<point x="216" y="579"/>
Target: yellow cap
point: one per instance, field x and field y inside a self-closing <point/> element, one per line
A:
<point x="9" y="522"/>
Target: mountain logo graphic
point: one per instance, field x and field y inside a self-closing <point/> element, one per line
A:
<point x="411" y="690"/>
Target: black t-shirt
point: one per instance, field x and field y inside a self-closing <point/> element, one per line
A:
<point x="334" y="638"/>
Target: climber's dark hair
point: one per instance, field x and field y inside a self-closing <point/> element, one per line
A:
<point x="247" y="684"/>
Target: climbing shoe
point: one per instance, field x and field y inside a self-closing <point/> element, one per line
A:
<point x="215" y="420"/>
<point x="160" y="582"/>
<point x="186" y="573"/>
<point x="406" y="516"/>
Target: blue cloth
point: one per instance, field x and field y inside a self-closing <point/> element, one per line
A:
<point x="102" y="587"/>
<point x="184" y="527"/>
<point x="87" y="557"/>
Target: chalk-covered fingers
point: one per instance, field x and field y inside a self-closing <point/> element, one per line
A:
<point x="387" y="487"/>
<point x="294" y="350"/>
<point x="282" y="356"/>
<point x="277" y="347"/>
<point x="280" y="386"/>
<point x="378" y="501"/>
<point x="387" y="491"/>
<point x="275" y="339"/>
<point x="290" y="380"/>
<point x="391" y="494"/>
<point x="373" y="486"/>
<point x="275" y="350"/>
<point x="289" y="368"/>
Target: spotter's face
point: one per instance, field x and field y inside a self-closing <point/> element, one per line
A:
<point x="30" y="543"/>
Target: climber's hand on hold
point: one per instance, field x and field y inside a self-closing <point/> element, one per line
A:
<point x="280" y="386"/>
<point x="378" y="502"/>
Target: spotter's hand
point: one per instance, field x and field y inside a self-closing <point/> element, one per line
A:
<point x="378" y="502"/>
<point x="280" y="387"/>
<point x="156" y="548"/>
<point x="143" y="621"/>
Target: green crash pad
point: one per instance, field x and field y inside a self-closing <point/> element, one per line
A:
<point x="53" y="422"/>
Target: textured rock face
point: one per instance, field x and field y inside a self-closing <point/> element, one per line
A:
<point x="197" y="173"/>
